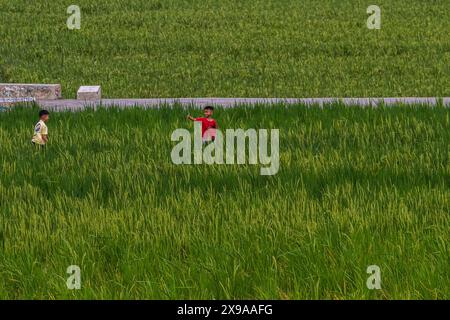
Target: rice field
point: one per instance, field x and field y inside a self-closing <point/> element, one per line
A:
<point x="356" y="187"/>
<point x="229" y="48"/>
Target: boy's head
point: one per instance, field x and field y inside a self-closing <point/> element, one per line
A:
<point x="208" y="111"/>
<point x="43" y="115"/>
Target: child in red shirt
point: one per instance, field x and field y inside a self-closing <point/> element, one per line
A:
<point x="209" y="125"/>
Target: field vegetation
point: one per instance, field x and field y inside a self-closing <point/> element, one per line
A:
<point x="356" y="187"/>
<point x="229" y="48"/>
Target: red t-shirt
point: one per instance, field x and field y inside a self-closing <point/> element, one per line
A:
<point x="207" y="124"/>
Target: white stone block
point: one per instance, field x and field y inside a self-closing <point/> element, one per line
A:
<point x="89" y="93"/>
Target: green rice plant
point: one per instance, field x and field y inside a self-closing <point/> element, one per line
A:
<point x="356" y="187"/>
<point x="229" y="48"/>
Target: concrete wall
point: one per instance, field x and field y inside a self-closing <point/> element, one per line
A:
<point x="37" y="91"/>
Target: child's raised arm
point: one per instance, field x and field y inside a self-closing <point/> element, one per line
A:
<point x="190" y="117"/>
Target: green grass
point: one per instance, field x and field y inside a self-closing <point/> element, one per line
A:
<point x="356" y="187"/>
<point x="254" y="48"/>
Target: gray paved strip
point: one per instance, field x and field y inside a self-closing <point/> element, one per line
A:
<point x="232" y="102"/>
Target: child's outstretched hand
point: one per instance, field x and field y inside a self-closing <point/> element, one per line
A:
<point x="189" y="117"/>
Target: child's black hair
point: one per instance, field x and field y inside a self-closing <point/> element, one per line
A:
<point x="43" y="113"/>
<point x="209" y="108"/>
